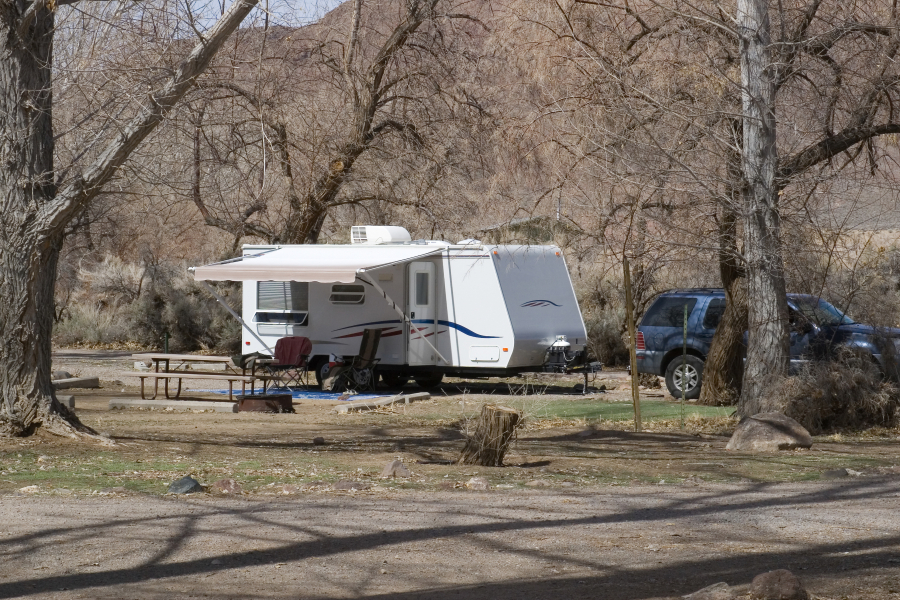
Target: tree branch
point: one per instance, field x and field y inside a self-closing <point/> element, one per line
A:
<point x="831" y="147"/>
<point x="75" y="197"/>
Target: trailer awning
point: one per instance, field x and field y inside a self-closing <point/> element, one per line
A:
<point x="325" y="264"/>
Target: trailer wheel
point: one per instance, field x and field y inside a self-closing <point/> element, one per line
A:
<point x="320" y="367"/>
<point x="431" y="380"/>
<point x="394" y="380"/>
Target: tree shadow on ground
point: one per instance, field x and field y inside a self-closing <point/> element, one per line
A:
<point x="818" y="557"/>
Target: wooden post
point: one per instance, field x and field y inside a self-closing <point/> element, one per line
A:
<point x="629" y="320"/>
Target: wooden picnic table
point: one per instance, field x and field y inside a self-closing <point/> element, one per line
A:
<point x="164" y="369"/>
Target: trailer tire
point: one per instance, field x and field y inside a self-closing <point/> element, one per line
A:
<point x="394" y="380"/>
<point x="431" y="380"/>
<point x="320" y="367"/>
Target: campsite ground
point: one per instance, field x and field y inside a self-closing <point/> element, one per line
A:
<point x="585" y="507"/>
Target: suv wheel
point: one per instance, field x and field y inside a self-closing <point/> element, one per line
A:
<point x="692" y="377"/>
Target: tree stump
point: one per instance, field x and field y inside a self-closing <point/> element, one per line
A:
<point x="494" y="431"/>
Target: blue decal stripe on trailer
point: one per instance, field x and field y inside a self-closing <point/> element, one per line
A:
<point x="532" y="303"/>
<point x="464" y="330"/>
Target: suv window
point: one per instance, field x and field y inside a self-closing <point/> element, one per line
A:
<point x="714" y="312"/>
<point x="668" y="312"/>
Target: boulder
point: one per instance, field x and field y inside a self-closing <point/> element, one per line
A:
<point x="769" y="432"/>
<point x="226" y="486"/>
<point x="478" y="483"/>
<point x="394" y="469"/>
<point x="185" y="485"/>
<point x="777" y="585"/>
<point x="539" y="483"/>
<point x="347" y="485"/>
<point x="716" y="591"/>
<point x="318" y="441"/>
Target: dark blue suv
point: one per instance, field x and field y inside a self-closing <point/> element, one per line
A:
<point x="816" y="327"/>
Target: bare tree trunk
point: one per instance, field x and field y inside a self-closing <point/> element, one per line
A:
<point x="768" y="349"/>
<point x="494" y="432"/>
<point x="724" y="368"/>
<point x="28" y="257"/>
<point x="34" y="214"/>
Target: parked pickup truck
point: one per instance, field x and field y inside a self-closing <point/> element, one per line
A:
<point x="816" y="327"/>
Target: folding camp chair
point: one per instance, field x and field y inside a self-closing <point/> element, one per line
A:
<point x="291" y="363"/>
<point x="359" y="373"/>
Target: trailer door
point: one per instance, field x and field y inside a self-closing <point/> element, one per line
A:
<point x="422" y="313"/>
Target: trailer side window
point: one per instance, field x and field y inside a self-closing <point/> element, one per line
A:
<point x="282" y="295"/>
<point x="421" y="289"/>
<point x="347" y="294"/>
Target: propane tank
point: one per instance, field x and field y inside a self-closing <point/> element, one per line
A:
<point x="557" y="355"/>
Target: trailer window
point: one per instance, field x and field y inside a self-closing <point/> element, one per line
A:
<point x="282" y="295"/>
<point x="421" y="289"/>
<point x="282" y="318"/>
<point x="347" y="294"/>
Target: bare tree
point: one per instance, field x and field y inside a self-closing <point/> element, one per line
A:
<point x="334" y="116"/>
<point x="38" y="204"/>
<point x="670" y="107"/>
<point x="768" y="351"/>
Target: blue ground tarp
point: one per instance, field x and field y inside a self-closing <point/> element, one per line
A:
<point x="300" y="393"/>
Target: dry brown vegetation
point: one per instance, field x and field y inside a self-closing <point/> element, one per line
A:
<point x="608" y="130"/>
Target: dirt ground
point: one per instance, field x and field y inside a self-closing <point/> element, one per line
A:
<point x="639" y="542"/>
<point x="585" y="508"/>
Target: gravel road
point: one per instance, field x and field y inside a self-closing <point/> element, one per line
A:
<point x="638" y="542"/>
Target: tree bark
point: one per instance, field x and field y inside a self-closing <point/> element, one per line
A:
<point x="494" y="432"/>
<point x="34" y="215"/>
<point x="28" y="258"/>
<point x="768" y="349"/>
<point x="724" y="368"/>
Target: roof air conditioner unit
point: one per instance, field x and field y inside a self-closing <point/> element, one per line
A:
<point x="378" y="234"/>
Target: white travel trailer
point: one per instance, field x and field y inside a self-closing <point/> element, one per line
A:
<point x="467" y="309"/>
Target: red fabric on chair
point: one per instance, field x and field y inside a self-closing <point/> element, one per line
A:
<point x="292" y="350"/>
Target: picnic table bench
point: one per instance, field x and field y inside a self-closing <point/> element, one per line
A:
<point x="179" y="375"/>
<point x="164" y="370"/>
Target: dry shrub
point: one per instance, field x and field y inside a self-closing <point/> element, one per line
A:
<point x="116" y="302"/>
<point x="649" y="380"/>
<point x="847" y="392"/>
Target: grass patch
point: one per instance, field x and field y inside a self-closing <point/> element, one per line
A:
<point x="594" y="410"/>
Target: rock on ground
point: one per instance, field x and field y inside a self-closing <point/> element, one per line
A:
<point x="769" y="432"/>
<point x="777" y="585"/>
<point x="185" y="485"/>
<point x="716" y="591"/>
<point x="345" y="484"/>
<point x="478" y="483"/>
<point x="226" y="486"/>
<point x="395" y="468"/>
